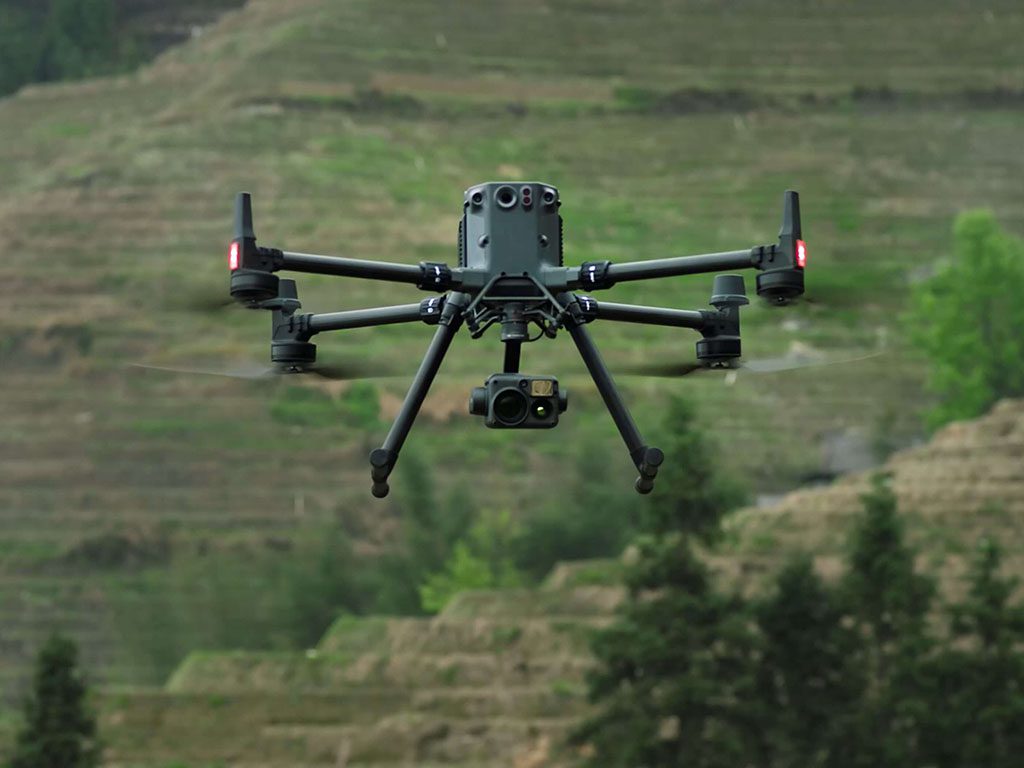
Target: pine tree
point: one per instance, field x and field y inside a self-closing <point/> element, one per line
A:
<point x="809" y="684"/>
<point x="979" y="677"/>
<point x="693" y="493"/>
<point x="890" y="602"/>
<point x="58" y="729"/>
<point x="675" y="671"/>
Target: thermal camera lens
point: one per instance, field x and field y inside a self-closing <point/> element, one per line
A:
<point x="542" y="408"/>
<point x="510" y="407"/>
<point x="506" y="197"/>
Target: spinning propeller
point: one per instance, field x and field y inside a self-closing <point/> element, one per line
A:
<point x="256" y="372"/>
<point x="767" y="365"/>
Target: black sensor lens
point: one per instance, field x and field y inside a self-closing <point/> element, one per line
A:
<point x="510" y="407"/>
<point x="506" y="197"/>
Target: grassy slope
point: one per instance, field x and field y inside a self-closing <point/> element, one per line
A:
<point x="116" y="204"/>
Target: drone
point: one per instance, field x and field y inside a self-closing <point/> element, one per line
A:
<point x="511" y="273"/>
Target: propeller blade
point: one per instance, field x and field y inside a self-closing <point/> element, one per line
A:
<point x="251" y="372"/>
<point x="205" y="301"/>
<point x="793" y="301"/>
<point x="256" y="372"/>
<point x="769" y="365"/>
<point x="779" y="364"/>
<point x="346" y="371"/>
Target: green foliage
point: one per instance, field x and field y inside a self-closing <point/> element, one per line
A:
<point x="304" y="407"/>
<point x="478" y="561"/>
<point x="58" y="730"/>
<point x="693" y="493"/>
<point x="969" y="320"/>
<point x="984" y="666"/>
<point x="674" y="672"/>
<point x="850" y="675"/>
<point x="60" y="40"/>
<point x="19" y="47"/>
<point x="323" y="581"/>
<point x="282" y="596"/>
<point x="79" y="39"/>
<point x="881" y="586"/>
<point x="360" y="406"/>
<point x="809" y="682"/>
<point x="888" y="604"/>
<point x="597" y="520"/>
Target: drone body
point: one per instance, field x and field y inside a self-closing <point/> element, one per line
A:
<point x="511" y="273"/>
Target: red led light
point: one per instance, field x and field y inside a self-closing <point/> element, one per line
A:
<point x="233" y="257"/>
<point x="801" y="254"/>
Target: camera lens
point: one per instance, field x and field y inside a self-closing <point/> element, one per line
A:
<point x="506" y="197"/>
<point x="542" y="408"/>
<point x="510" y="407"/>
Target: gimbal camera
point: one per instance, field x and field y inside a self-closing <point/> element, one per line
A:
<point x="511" y="273"/>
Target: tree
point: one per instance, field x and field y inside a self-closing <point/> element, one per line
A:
<point x="969" y="320"/>
<point x="600" y="524"/>
<point x="693" y="493"/>
<point x="674" y="673"/>
<point x="889" y="603"/>
<point x="480" y="560"/>
<point x="80" y="39"/>
<point x="980" y="675"/>
<point x="809" y="682"/>
<point x="19" y="47"/>
<point x="58" y="728"/>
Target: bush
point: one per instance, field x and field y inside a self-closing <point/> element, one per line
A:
<point x="481" y="560"/>
<point x="969" y="320"/>
<point x="593" y="517"/>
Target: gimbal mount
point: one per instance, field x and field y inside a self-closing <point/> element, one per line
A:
<point x="511" y="273"/>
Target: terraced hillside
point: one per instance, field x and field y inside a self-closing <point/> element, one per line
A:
<point x="497" y="679"/>
<point x="670" y="127"/>
<point x="966" y="483"/>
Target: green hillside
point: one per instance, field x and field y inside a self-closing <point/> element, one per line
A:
<point x="669" y="127"/>
<point x="498" y="678"/>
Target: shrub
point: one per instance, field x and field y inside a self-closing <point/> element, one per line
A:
<point x="969" y="320"/>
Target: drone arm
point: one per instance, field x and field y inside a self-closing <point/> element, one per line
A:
<point x="591" y="309"/>
<point x="646" y="458"/>
<point x="781" y="264"/>
<point x="383" y="459"/>
<point x="595" y="275"/>
<point x="429" y="311"/>
<point x="427" y="275"/>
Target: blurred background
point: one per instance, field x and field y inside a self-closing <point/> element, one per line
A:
<point x="152" y="515"/>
